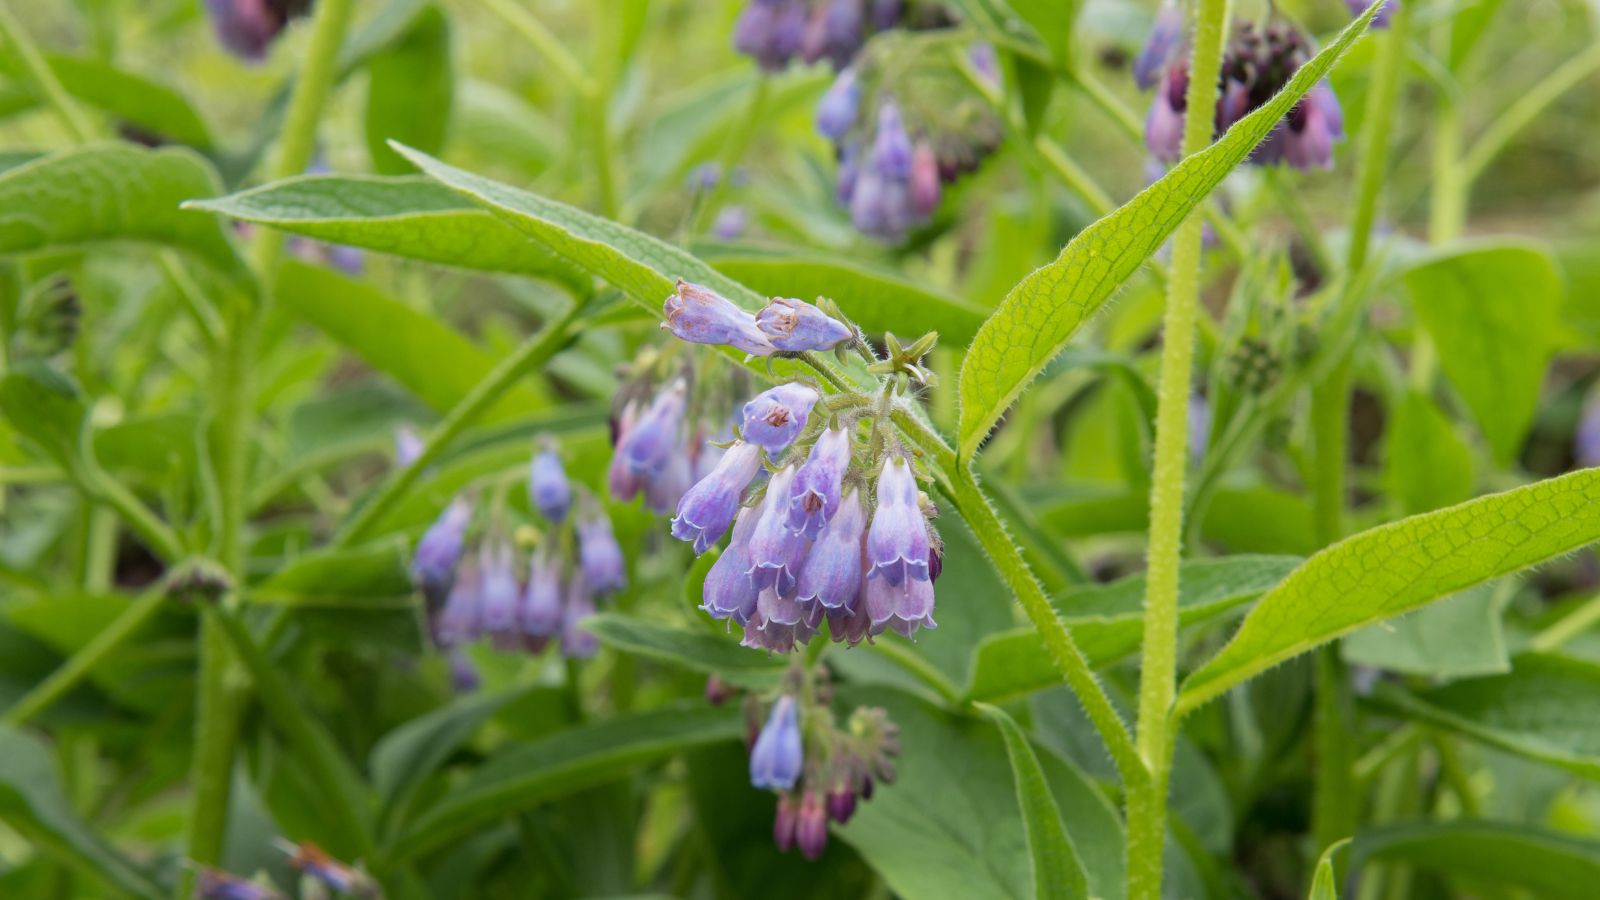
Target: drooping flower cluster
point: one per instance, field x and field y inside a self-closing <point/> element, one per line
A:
<point x="774" y="32"/>
<point x="248" y="27"/>
<point x="479" y="595"/>
<point x="898" y="146"/>
<point x="1256" y="65"/>
<point x="828" y="535"/>
<point x="818" y="770"/>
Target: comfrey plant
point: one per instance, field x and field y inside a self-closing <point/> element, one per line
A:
<point x="841" y="530"/>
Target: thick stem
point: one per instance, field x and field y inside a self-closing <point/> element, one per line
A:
<point x="1157" y="678"/>
<point x="217" y="714"/>
<point x="1373" y="164"/>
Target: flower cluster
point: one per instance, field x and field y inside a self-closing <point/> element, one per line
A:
<point x="477" y="595"/>
<point x="248" y="27"/>
<point x="819" y="770"/>
<point x="892" y="170"/>
<point x="774" y="32"/>
<point x="825" y="536"/>
<point x="1256" y="65"/>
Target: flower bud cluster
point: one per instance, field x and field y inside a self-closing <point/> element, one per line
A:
<point x="248" y="27"/>
<point x="1257" y="63"/>
<point x="484" y="594"/>
<point x="819" y="770"/>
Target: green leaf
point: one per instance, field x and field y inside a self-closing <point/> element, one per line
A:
<point x="1107" y="623"/>
<point x="408" y="755"/>
<point x="1056" y="870"/>
<point x="951" y="825"/>
<point x="523" y="776"/>
<point x="1401" y="566"/>
<point x="701" y="651"/>
<point x="33" y="803"/>
<point x="1493" y="313"/>
<point x="410" y="87"/>
<point x="877" y="301"/>
<point x="113" y="192"/>
<point x="1325" y="883"/>
<point x="134" y="99"/>
<point x="1550" y="866"/>
<point x="1043" y="311"/>
<point x="428" y="357"/>
<point x="414" y="217"/>
<point x="1428" y="465"/>
<point x="1546" y="708"/>
<point x="373" y="575"/>
<point x="1459" y="636"/>
<point x="46" y="408"/>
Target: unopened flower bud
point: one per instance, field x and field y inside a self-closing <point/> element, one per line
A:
<point x="599" y="556"/>
<point x="548" y="488"/>
<point x="837" y="111"/>
<point x="811" y="825"/>
<point x="700" y="315"/>
<point x="1166" y="34"/>
<point x="778" y="757"/>
<point x="784" y="822"/>
<point x="795" y="326"/>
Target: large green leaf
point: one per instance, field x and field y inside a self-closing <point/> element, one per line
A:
<point x="410" y="87"/>
<point x="408" y="755"/>
<point x="950" y="826"/>
<point x="413" y="216"/>
<point x="134" y="99"/>
<point x="32" y="802"/>
<point x="1043" y="311"/>
<point x="430" y="358"/>
<point x="375" y="574"/>
<point x="113" y="192"/>
<point x="1493" y="313"/>
<point x="701" y="651"/>
<point x="1428" y="466"/>
<point x="1107" y="623"/>
<point x="1546" y="708"/>
<point x="1550" y="866"/>
<point x="44" y="407"/>
<point x="526" y="775"/>
<point x="1459" y="636"/>
<point x="879" y="302"/>
<point x="1056" y="870"/>
<point x="1398" y="567"/>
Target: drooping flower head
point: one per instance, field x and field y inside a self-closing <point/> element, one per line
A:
<point x="837" y="111"/>
<point x="897" y="543"/>
<point x="777" y="759"/>
<point x="700" y="315"/>
<point x="706" y="511"/>
<point x="728" y="590"/>
<point x="434" y="563"/>
<point x="817" y="489"/>
<point x="647" y="447"/>
<point x="831" y="576"/>
<point x="795" y="326"/>
<point x="541" y="601"/>
<point x="775" y="417"/>
<point x="548" y="488"/>
<point x="600" y="557"/>
<point x="576" y="642"/>
<point x="498" y="596"/>
<point x="776" y="553"/>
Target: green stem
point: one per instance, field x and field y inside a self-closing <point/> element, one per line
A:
<point x="1157" y="678"/>
<point x="78" y="667"/>
<point x="217" y="714"/>
<point x="546" y="44"/>
<point x="38" y="71"/>
<point x="1569" y="626"/>
<point x="1448" y="200"/>
<point x="1527" y="108"/>
<point x="157" y="535"/>
<point x="1373" y="163"/>
<point x="530" y="356"/>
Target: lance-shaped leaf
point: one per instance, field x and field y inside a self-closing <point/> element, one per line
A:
<point x="1395" y="568"/>
<point x="1057" y="873"/>
<point x="1043" y="311"/>
<point x="1546" y="864"/>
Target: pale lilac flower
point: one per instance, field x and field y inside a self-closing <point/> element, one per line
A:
<point x="728" y="592"/>
<point x="761" y="633"/>
<point x="459" y="621"/>
<point x="1163" y="127"/>
<point x="599" y="557"/>
<point x="776" y="553"/>
<point x="775" y="417"/>
<point x="576" y="643"/>
<point x="900" y="607"/>
<point x="648" y="446"/>
<point x="795" y="326"/>
<point x="1381" y="20"/>
<point x="548" y="488"/>
<point x="407" y="446"/>
<point x="731" y="222"/>
<point x="498" y="596"/>
<point x="1586" y="442"/>
<point x="706" y="511"/>
<point x="1304" y="139"/>
<point x="662" y="493"/>
<point x="984" y="59"/>
<point x="897" y="544"/>
<point x="814" y="496"/>
<point x="440" y="549"/>
<point x="1166" y="35"/>
<point x="700" y="315"/>
<point x="851" y="624"/>
<point x="811" y="825"/>
<point x="831" y="575"/>
<point x="891" y="149"/>
<point x="541" y="602"/>
<point x="837" y="111"/>
<point x="778" y="757"/>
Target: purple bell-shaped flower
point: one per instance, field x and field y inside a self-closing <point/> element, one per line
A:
<point x="777" y="759"/>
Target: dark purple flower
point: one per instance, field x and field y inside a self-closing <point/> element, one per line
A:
<point x="776" y="761"/>
<point x="498" y="597"/>
<point x="783" y="823"/>
<point x="541" y="602"/>
<point x="648" y="446"/>
<point x="547" y="484"/>
<point x="248" y="27"/>
<point x="795" y="326"/>
<point x="814" y="496"/>
<point x="718" y="691"/>
<point x="924" y="188"/>
<point x="1166" y="34"/>
<point x="599" y="556"/>
<point x="852" y="624"/>
<point x="885" y="14"/>
<point x="776" y="553"/>
<point x="459" y="621"/>
<point x="700" y="315"/>
<point x="831" y="575"/>
<point x="811" y="825"/>
<point x="1305" y="137"/>
<point x="440" y="549"/>
<point x="900" y="607"/>
<point x="706" y="511"/>
<point x="576" y="643"/>
<point x="836" y="32"/>
<point x="752" y="34"/>
<point x="897" y="544"/>
<point x="407" y="446"/>
<point x="891" y="148"/>
<point x="775" y="417"/>
<point x="728" y="592"/>
<point x="841" y="804"/>
<point x="1163" y="127"/>
<point x="837" y="111"/>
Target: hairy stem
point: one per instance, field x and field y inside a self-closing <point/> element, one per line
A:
<point x="1157" y="678"/>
